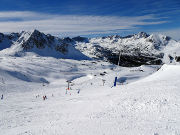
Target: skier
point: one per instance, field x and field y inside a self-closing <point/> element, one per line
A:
<point x="78" y="91"/>
<point x="2" y="97"/>
<point x="44" y="97"/>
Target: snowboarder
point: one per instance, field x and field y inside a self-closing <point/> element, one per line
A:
<point x="2" y="97"/>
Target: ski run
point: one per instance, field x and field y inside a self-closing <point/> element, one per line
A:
<point x="146" y="100"/>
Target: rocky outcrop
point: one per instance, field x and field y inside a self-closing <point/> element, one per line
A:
<point x="134" y="60"/>
<point x="36" y="39"/>
<point x="80" y="39"/>
<point x="6" y="40"/>
<point x="63" y="48"/>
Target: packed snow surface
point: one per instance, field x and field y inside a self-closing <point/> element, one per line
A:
<point x="146" y="100"/>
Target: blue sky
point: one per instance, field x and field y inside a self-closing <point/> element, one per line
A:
<point x="91" y="17"/>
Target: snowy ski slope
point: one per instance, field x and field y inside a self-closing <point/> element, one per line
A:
<point x="145" y="101"/>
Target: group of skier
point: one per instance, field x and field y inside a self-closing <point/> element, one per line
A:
<point x="44" y="97"/>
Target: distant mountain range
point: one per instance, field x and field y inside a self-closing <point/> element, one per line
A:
<point x="134" y="50"/>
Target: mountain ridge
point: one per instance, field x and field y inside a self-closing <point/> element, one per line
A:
<point x="38" y="43"/>
<point x="138" y="49"/>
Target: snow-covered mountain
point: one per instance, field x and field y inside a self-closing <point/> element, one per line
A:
<point x="135" y="50"/>
<point x="37" y="43"/>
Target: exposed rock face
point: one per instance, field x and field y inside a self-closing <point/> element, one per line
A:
<point x="37" y="39"/>
<point x="62" y="48"/>
<point x="134" y="60"/>
<point x="81" y="39"/>
<point x="13" y="36"/>
<point x="1" y="37"/>
<point x="6" y="40"/>
<point x="41" y="41"/>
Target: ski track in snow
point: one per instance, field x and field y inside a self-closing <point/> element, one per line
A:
<point x="148" y="102"/>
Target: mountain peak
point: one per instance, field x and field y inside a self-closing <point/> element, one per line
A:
<point x="80" y="39"/>
<point x="142" y="35"/>
<point x="35" y="31"/>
